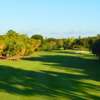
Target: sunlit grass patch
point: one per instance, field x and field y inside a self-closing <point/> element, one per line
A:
<point x="51" y="75"/>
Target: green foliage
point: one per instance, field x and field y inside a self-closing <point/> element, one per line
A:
<point x="51" y="43"/>
<point x="55" y="47"/>
<point x="43" y="47"/>
<point x="15" y="44"/>
<point x="60" y="43"/>
<point x="49" y="46"/>
<point x="38" y="37"/>
<point x="29" y="49"/>
<point x="68" y="43"/>
<point x="61" y="48"/>
<point x="96" y="48"/>
<point x="2" y="44"/>
<point x="85" y="42"/>
<point x="51" y="40"/>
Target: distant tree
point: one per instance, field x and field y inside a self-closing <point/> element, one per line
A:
<point x="60" y="43"/>
<point x="19" y="49"/>
<point x="29" y="49"/>
<point x="31" y="41"/>
<point x="51" y="40"/>
<point x="38" y="37"/>
<point x="90" y="41"/>
<point x="2" y="44"/>
<point x="64" y="44"/>
<point x="49" y="46"/>
<point x="96" y="48"/>
<point x="12" y="33"/>
<point x="9" y="50"/>
<point x="69" y="42"/>
<point x="77" y="43"/>
<point x="43" y="47"/>
<point x="15" y="44"/>
<point x="98" y="35"/>
<point x="38" y="43"/>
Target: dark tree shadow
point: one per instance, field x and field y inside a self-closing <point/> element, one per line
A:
<point x="70" y="84"/>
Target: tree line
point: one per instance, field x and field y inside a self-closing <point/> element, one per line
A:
<point x="15" y="44"/>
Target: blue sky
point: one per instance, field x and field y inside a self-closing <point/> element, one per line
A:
<point x="51" y="18"/>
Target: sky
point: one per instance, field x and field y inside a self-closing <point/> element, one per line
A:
<point x="51" y="18"/>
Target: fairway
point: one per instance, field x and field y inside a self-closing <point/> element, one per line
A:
<point x="51" y="75"/>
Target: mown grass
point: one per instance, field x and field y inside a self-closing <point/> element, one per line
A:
<point x="54" y="75"/>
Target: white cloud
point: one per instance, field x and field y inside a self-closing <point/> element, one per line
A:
<point x="26" y="32"/>
<point x="36" y="29"/>
<point x="91" y="31"/>
<point x="71" y="32"/>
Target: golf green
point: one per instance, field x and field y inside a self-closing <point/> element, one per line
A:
<point x="51" y="75"/>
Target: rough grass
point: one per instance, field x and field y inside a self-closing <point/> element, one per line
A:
<point x="54" y="75"/>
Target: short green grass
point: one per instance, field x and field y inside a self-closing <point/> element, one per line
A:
<point x="54" y="75"/>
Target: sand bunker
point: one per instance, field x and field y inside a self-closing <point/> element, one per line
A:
<point x="73" y="52"/>
<point x="82" y="51"/>
<point x="78" y="52"/>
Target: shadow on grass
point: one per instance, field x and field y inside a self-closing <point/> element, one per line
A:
<point x="79" y="81"/>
